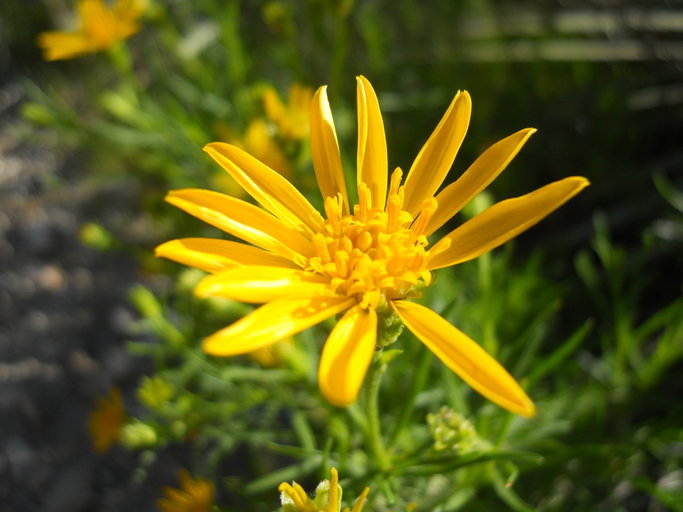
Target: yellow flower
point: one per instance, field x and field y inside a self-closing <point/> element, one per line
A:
<point x="366" y="259"/>
<point x="293" y="119"/>
<point x="106" y="420"/>
<point x="258" y="142"/>
<point x="194" y="495"/>
<point x="327" y="498"/>
<point x="273" y="355"/>
<point x="100" y="27"/>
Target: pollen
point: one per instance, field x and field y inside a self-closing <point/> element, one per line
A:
<point x="373" y="255"/>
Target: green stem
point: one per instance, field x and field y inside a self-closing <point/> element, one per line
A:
<point x="486" y="282"/>
<point x="374" y="437"/>
<point x="121" y="59"/>
<point x="504" y="430"/>
<point x="417" y="385"/>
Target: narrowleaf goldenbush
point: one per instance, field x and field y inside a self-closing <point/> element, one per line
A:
<point x="589" y="345"/>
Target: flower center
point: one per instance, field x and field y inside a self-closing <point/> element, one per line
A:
<point x="373" y="255"/>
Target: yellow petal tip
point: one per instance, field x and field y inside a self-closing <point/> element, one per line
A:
<point x="160" y="250"/>
<point x="170" y="195"/>
<point x="362" y="79"/>
<point x="529" y="410"/>
<point x="211" y="347"/>
<point x="338" y="402"/>
<point x="214" y="146"/>
<point x="579" y="181"/>
<point x="202" y="290"/>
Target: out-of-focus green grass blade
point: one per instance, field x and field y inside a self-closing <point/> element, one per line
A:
<point x="532" y="337"/>
<point x="417" y="384"/>
<point x="302" y="429"/>
<point x="287" y="474"/>
<point x="668" y="350"/>
<point x="506" y="493"/>
<point x="291" y="451"/>
<point x="671" y="498"/>
<point x="544" y="366"/>
<point x="251" y="374"/>
<point x="660" y="319"/>
<point x="668" y="191"/>
<point x="443" y="464"/>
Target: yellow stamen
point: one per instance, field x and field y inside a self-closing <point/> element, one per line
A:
<point x="428" y="208"/>
<point x="291" y="492"/>
<point x="334" y="491"/>
<point x="363" y="202"/>
<point x="303" y="497"/>
<point x="395" y="182"/>
<point x="341" y="260"/>
<point x="373" y="255"/>
<point x="364" y="242"/>
<point x="321" y="246"/>
<point x="333" y="211"/>
<point x="361" y="500"/>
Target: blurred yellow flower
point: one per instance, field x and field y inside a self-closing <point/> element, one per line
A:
<point x="273" y="355"/>
<point x="100" y="27"/>
<point x="259" y="142"/>
<point x="194" y="495"/>
<point x="106" y="420"/>
<point x="366" y="259"/>
<point x="293" y="119"/>
<point x="328" y="497"/>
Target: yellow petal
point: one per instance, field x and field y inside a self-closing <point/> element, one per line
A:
<point x="462" y="355"/>
<point x="358" y="506"/>
<point x="300" y="101"/>
<point x="347" y="355"/>
<point x="273" y="106"/>
<point x="436" y="157"/>
<point x="92" y="12"/>
<point x="102" y="25"/>
<point x="476" y="178"/>
<point x="273" y="322"/>
<point x="215" y="255"/>
<point x="242" y="220"/>
<point x="260" y="284"/>
<point x="64" y="45"/>
<point x="130" y="9"/>
<point x="503" y="221"/>
<point x="325" y="150"/>
<point x="333" y="497"/>
<point x="260" y="144"/>
<point x="372" y="144"/>
<point x="268" y="187"/>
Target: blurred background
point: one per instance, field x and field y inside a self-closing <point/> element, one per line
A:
<point x="90" y="146"/>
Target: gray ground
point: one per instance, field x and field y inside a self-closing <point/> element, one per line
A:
<point x="64" y="319"/>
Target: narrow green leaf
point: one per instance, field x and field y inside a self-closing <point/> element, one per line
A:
<point x="287" y="474"/>
<point x="560" y="354"/>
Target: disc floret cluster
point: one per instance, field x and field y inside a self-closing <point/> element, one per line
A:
<point x="364" y="260"/>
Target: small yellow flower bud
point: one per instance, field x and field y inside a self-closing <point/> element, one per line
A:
<point x="136" y="435"/>
<point x="452" y="431"/>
